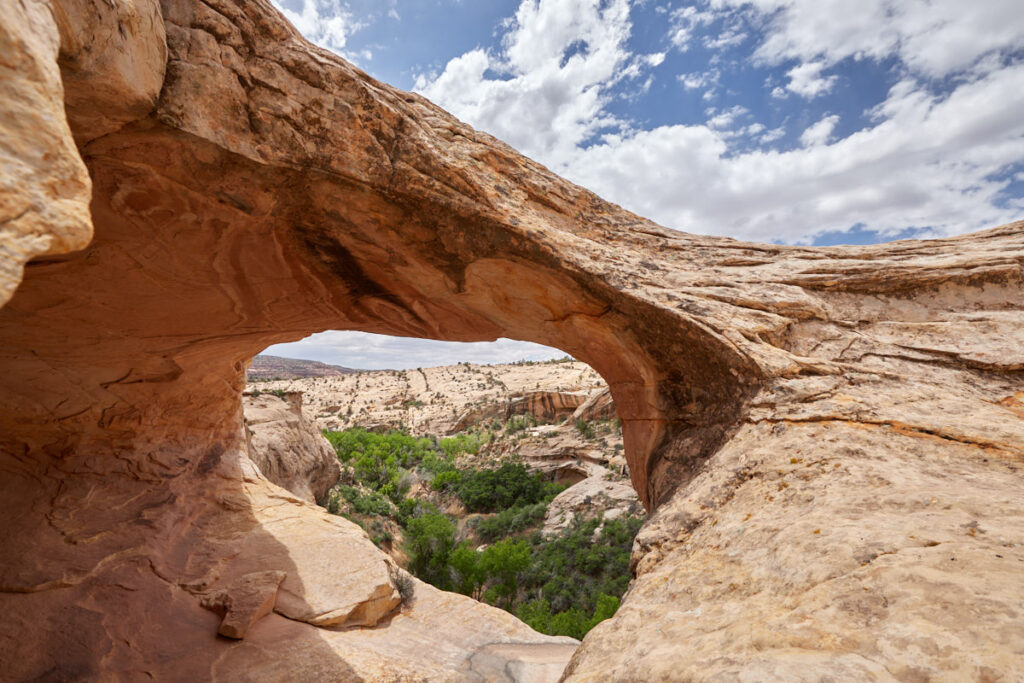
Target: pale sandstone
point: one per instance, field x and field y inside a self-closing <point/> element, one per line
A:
<point x="438" y="400"/>
<point x="287" y="447"/>
<point x="44" y="186"/>
<point x="587" y="498"/>
<point x="829" y="437"/>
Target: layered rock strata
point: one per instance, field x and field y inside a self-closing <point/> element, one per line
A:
<point x="830" y="439"/>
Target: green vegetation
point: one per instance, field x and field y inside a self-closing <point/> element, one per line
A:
<point x="561" y="585"/>
<point x="466" y="442"/>
<point x="518" y="423"/>
<point x="511" y="521"/>
<point x="511" y="485"/>
<point x="584" y="428"/>
<point x="380" y="460"/>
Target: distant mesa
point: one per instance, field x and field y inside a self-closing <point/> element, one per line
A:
<point x="274" y="367"/>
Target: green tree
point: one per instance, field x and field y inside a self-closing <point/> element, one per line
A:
<point x="536" y="614"/>
<point x="502" y="563"/>
<point x="469" y="575"/>
<point x="430" y="540"/>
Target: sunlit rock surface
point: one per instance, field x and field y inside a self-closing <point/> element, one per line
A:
<point x="287" y="447"/>
<point x="831" y="439"/>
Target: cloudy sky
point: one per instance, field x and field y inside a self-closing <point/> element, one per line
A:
<point x="792" y="121"/>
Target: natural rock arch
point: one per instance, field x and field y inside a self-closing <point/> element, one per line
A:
<point x="248" y="188"/>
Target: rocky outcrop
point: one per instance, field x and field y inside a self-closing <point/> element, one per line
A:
<point x="479" y="414"/>
<point x="287" y="448"/>
<point x="589" y="497"/>
<point x="544" y="406"/>
<point x="547" y="406"/>
<point x="828" y="438"/>
<point x="245" y="602"/>
<point x="598" y="406"/>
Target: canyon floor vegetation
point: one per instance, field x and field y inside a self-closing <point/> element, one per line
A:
<point x="470" y="525"/>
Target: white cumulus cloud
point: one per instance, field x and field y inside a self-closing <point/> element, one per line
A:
<point x="927" y="159"/>
<point x="546" y="90"/>
<point x="806" y="80"/>
<point x="820" y="132"/>
<point x="328" y="23"/>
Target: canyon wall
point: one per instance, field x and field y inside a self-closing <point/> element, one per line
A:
<point x="830" y="439"/>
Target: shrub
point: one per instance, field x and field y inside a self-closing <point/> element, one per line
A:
<point x="511" y="521"/>
<point x="365" y="503"/>
<point x="446" y="480"/>
<point x="466" y="442"/>
<point x="508" y="486"/>
<point x="574" y="569"/>
<point x="520" y="422"/>
<point x="404" y="584"/>
<point x="585" y="429"/>
<point x="380" y="460"/>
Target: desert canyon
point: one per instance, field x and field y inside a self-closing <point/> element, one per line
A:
<point x="829" y="441"/>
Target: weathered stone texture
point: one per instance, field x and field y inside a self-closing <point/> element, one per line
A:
<point x="287" y="447"/>
<point x="831" y="439"/>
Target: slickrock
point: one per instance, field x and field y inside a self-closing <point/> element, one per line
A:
<point x="289" y="449"/>
<point x="829" y="439"/>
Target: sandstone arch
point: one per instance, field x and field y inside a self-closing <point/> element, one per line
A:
<point x="248" y="188"/>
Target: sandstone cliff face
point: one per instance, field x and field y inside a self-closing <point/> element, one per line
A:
<point x="286" y="447"/>
<point x="831" y="439"/>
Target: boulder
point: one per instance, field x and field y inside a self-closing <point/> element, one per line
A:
<point x="589" y="498"/>
<point x="245" y="602"/>
<point x="287" y="447"/>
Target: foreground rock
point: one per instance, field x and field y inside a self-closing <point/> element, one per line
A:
<point x="830" y="439"/>
<point x="289" y="449"/>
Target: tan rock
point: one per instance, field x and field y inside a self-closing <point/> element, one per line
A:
<point x="828" y="437"/>
<point x="592" y="496"/>
<point x="288" y="448"/>
<point x="244" y="602"/>
<point x="544" y="406"/>
<point x="44" y="186"/>
<point x="598" y="406"/>
<point x="113" y="55"/>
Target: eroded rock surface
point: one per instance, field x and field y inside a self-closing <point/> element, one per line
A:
<point x="593" y="495"/>
<point x="830" y="439"/>
<point x="287" y="447"/>
<point x="243" y="603"/>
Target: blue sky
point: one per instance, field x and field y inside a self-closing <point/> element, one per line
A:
<point x="790" y="121"/>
